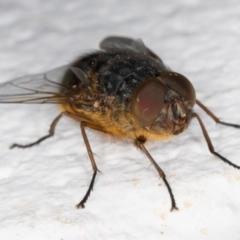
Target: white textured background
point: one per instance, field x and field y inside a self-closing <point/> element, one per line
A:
<point x="40" y="186"/>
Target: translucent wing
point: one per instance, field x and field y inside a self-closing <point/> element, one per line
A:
<point x="38" y="88"/>
<point x="135" y="45"/>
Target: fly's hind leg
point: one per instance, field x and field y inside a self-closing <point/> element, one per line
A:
<point x="51" y="133"/>
<point x="81" y="204"/>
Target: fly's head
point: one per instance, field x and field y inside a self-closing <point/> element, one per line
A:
<point x="164" y="104"/>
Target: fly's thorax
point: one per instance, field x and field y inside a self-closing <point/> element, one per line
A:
<point x="87" y="96"/>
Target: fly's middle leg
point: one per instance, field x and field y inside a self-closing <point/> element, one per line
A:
<point x="81" y="204"/>
<point x="209" y="142"/>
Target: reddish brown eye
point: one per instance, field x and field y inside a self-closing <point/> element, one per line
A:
<point x="180" y="85"/>
<point x="148" y="101"/>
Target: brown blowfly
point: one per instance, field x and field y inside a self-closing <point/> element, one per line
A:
<point x="124" y="90"/>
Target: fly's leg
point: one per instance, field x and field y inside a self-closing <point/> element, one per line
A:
<point x="81" y="204"/>
<point x="140" y="143"/>
<point x="83" y="125"/>
<point x="215" y="118"/>
<point x="51" y="133"/>
<point x="209" y="143"/>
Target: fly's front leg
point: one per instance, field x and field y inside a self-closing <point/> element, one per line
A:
<point x="215" y="118"/>
<point x="81" y="204"/>
<point x="140" y="143"/>
<point x="51" y="133"/>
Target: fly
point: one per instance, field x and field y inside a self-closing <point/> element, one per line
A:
<point x="124" y="90"/>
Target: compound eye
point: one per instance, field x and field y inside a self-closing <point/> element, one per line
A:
<point x="180" y="85"/>
<point x="147" y="101"/>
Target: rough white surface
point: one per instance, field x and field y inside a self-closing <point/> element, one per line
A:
<point x="40" y="186"/>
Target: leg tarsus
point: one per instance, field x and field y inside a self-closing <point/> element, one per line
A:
<point x="174" y="206"/>
<point x="214" y="117"/>
<point x="228" y="124"/>
<point x="209" y="142"/>
<point x="31" y="144"/>
<point x="51" y="133"/>
<point x="225" y="160"/>
<point x="81" y="204"/>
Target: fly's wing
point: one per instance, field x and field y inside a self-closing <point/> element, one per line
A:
<point x="38" y="88"/>
<point x="135" y="45"/>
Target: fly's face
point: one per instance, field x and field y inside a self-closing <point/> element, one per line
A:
<point x="164" y="104"/>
